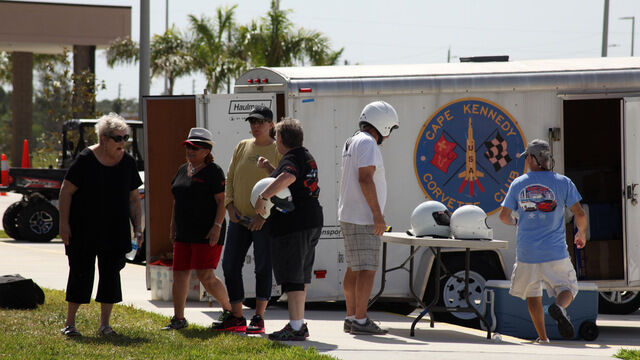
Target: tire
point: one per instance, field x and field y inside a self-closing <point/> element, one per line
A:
<point x="589" y="331"/>
<point x="484" y="266"/>
<point x="38" y="221"/>
<point x="618" y="302"/>
<point x="10" y="220"/>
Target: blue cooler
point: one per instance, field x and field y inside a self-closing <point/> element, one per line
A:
<point x="509" y="315"/>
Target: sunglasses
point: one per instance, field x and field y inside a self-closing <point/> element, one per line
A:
<point x="119" y="138"/>
<point x="257" y="121"/>
<point x="192" y="147"/>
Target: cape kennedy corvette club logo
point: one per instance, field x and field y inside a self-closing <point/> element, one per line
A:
<point x="466" y="154"/>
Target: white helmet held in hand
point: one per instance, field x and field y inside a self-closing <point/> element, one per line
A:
<point x="283" y="200"/>
<point x="381" y="116"/>
<point x="470" y="222"/>
<point x="431" y="218"/>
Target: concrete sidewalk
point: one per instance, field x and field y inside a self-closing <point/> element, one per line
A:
<point x="46" y="264"/>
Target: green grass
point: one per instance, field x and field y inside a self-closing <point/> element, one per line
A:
<point x="628" y="354"/>
<point x="35" y="334"/>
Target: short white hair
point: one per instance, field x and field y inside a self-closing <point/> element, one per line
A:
<point x="110" y="123"/>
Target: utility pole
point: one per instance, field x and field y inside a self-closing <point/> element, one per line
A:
<point x="229" y="44"/>
<point x="166" y="27"/>
<point x="145" y="60"/>
<point x="605" y="29"/>
<point x="633" y="28"/>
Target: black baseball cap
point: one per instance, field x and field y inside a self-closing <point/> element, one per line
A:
<point x="260" y="112"/>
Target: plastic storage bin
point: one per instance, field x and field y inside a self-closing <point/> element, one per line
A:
<point x="511" y="315"/>
<point x="162" y="283"/>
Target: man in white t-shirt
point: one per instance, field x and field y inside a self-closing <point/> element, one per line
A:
<point x="363" y="193"/>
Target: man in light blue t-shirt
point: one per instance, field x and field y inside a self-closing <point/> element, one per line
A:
<point x="539" y="197"/>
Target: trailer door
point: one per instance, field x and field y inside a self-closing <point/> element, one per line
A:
<point x="631" y="143"/>
<point x="224" y="115"/>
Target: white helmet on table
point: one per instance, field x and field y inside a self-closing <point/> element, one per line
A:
<point x="470" y="222"/>
<point x="431" y="218"/>
<point x="283" y="200"/>
<point x="381" y="116"/>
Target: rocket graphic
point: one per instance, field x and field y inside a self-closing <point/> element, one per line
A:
<point x="470" y="174"/>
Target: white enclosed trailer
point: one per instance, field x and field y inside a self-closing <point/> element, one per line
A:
<point x="453" y="116"/>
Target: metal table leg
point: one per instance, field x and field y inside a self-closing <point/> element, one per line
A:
<point x="467" y="266"/>
<point x="436" y="296"/>
<point x="383" y="276"/>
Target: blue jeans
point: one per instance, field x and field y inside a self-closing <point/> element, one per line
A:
<point x="239" y="238"/>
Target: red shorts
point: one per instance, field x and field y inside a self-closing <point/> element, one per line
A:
<point x="187" y="256"/>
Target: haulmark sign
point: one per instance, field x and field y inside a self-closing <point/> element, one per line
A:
<point x="466" y="154"/>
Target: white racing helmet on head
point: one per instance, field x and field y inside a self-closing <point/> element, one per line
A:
<point x="381" y="116"/>
<point x="431" y="218"/>
<point x="470" y="222"/>
<point x="283" y="201"/>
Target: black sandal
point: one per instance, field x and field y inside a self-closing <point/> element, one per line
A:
<point x="70" y="331"/>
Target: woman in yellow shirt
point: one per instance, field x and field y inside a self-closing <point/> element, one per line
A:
<point x="246" y="227"/>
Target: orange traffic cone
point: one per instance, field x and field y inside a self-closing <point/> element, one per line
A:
<point x="26" y="161"/>
<point x="4" y="174"/>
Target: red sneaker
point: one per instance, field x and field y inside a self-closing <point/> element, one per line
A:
<point x="256" y="326"/>
<point x="230" y="323"/>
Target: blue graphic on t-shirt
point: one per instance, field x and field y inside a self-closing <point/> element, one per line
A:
<point x="540" y="198"/>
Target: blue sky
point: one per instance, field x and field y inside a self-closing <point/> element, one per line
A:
<point x="407" y="31"/>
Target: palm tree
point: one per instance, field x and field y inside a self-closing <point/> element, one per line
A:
<point x="274" y="42"/>
<point x="169" y="55"/>
<point x="5" y="68"/>
<point x="122" y="51"/>
<point x="317" y="49"/>
<point x="213" y="49"/>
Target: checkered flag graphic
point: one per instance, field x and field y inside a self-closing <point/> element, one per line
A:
<point x="497" y="152"/>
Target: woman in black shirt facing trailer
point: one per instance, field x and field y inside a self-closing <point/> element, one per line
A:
<point x="98" y="200"/>
<point x="295" y="233"/>
<point x="197" y="226"/>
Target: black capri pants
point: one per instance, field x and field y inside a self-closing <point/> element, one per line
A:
<point x="82" y="272"/>
<point x="292" y="256"/>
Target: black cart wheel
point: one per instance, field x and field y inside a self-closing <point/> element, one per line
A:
<point x="38" y="221"/>
<point x="10" y="220"/>
<point x="589" y="330"/>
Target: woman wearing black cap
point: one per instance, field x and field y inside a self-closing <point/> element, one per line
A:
<point x="197" y="225"/>
<point x="246" y="228"/>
